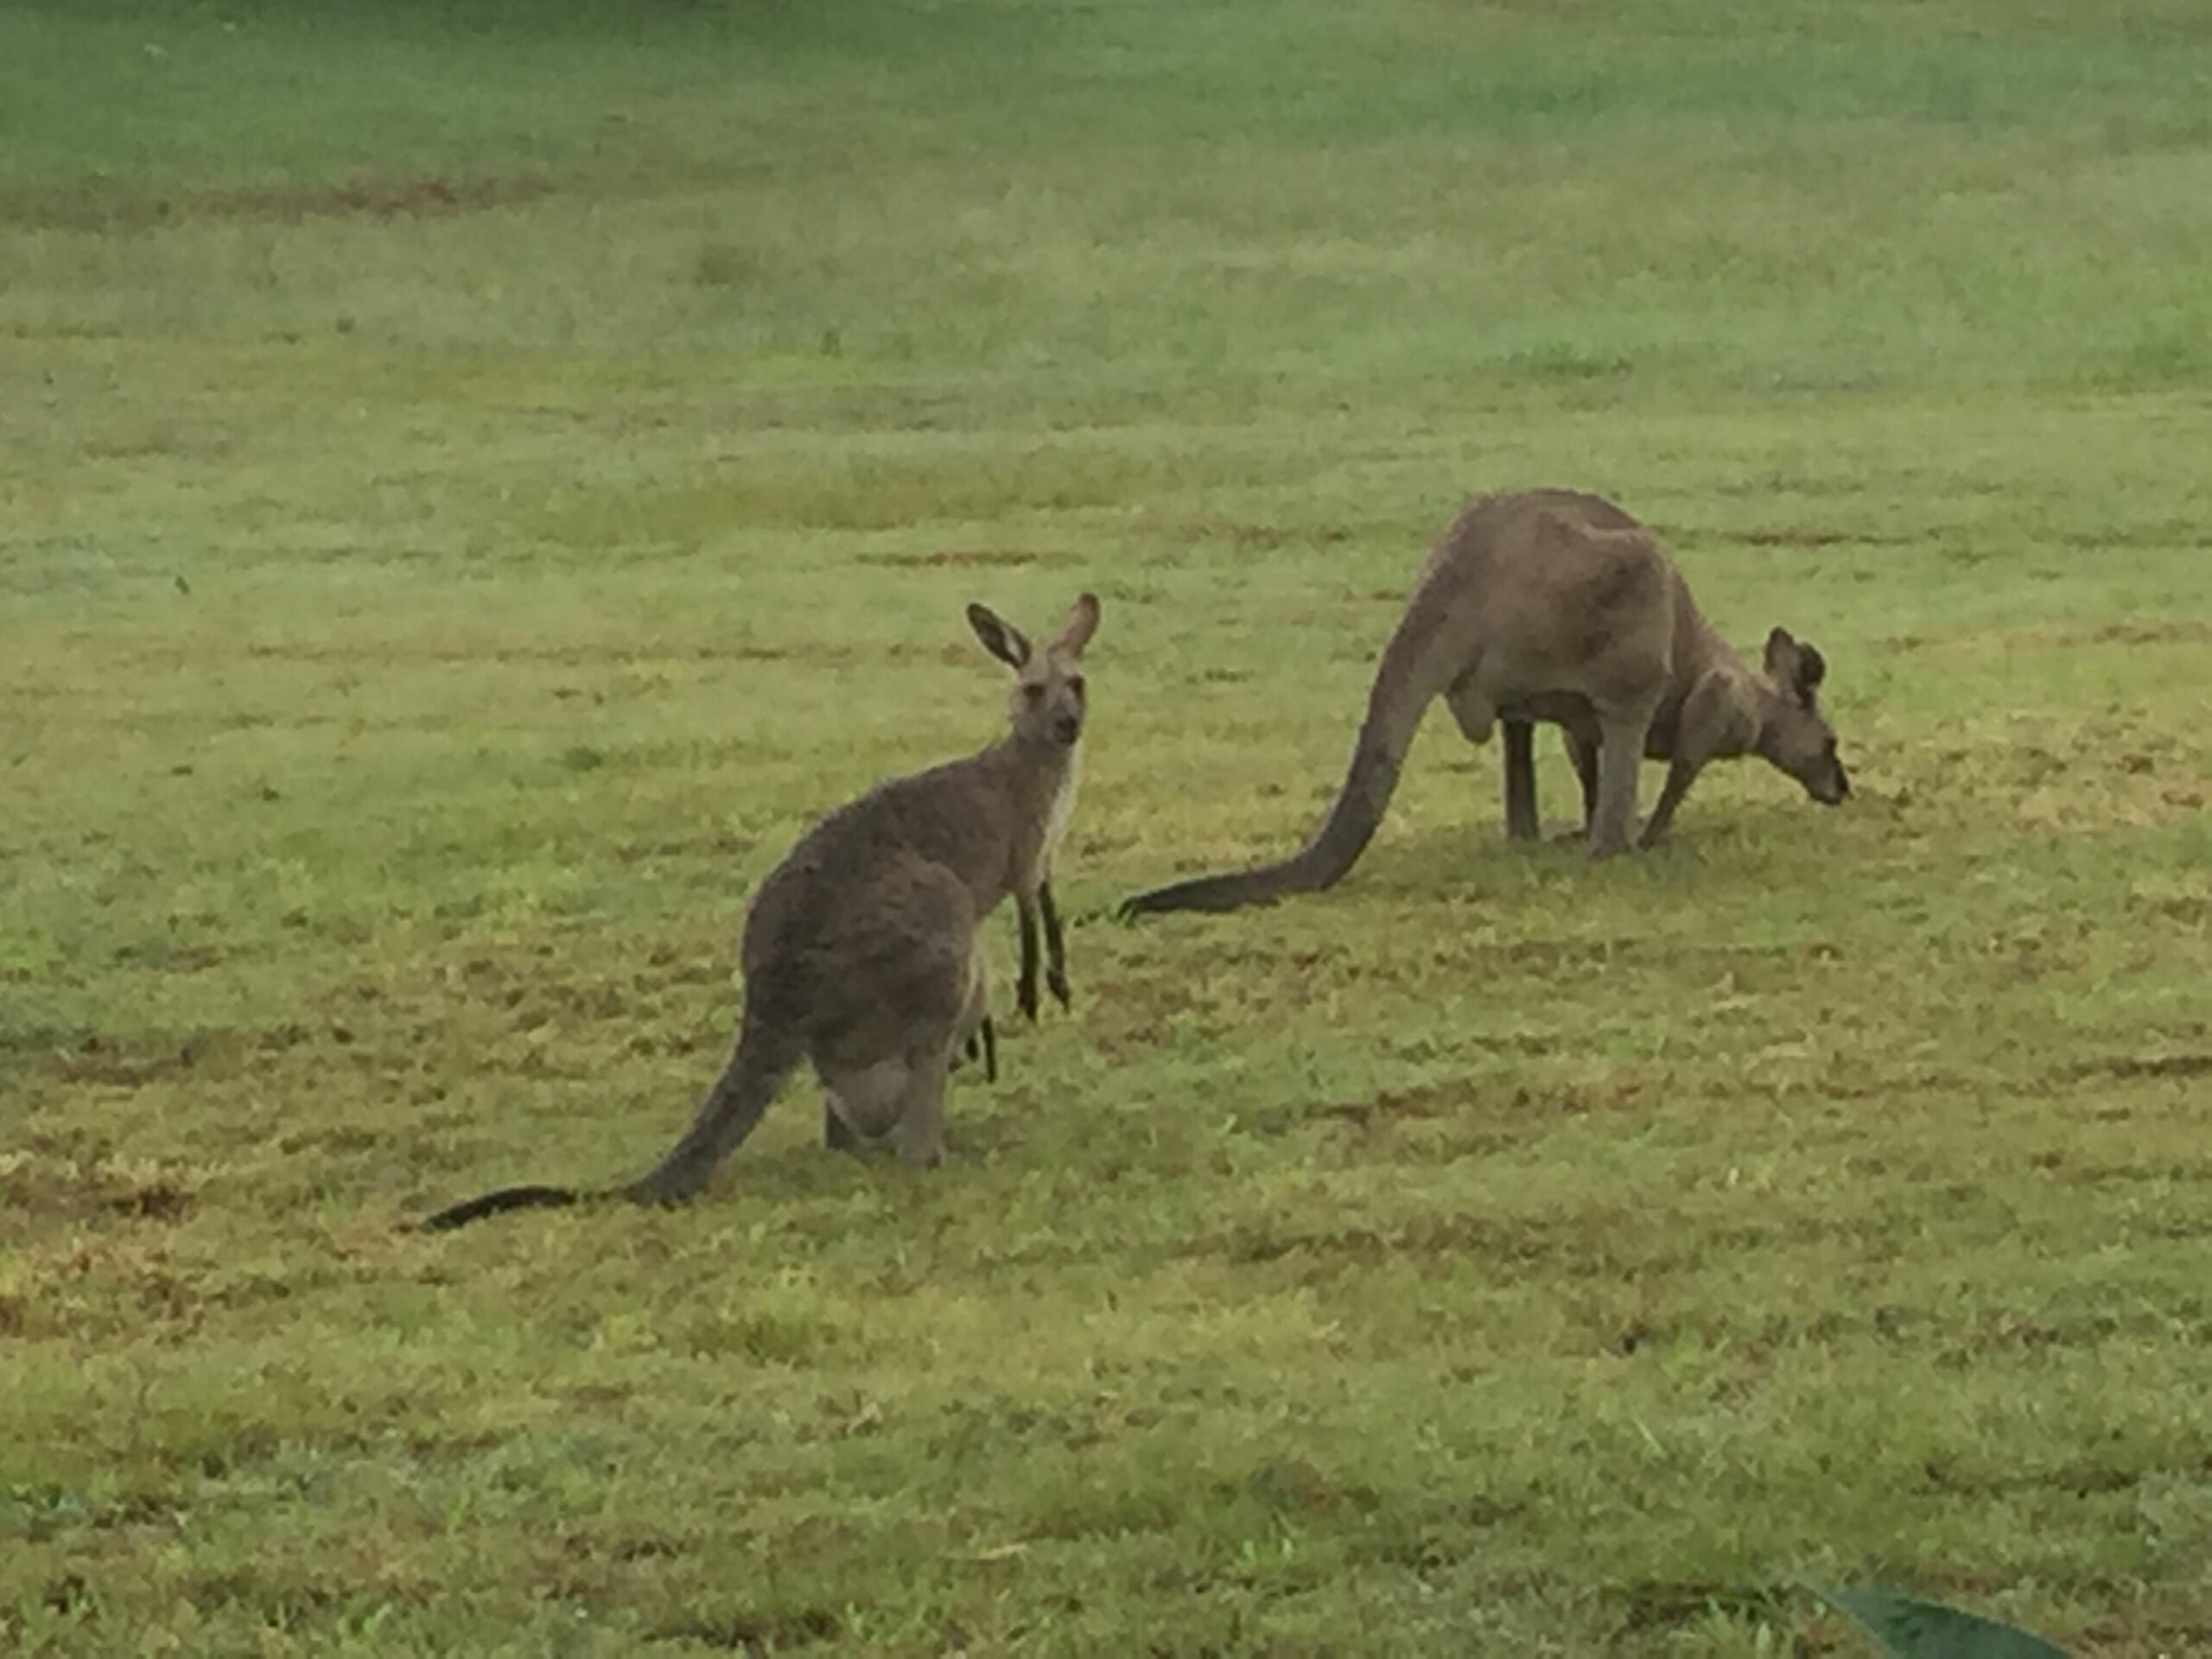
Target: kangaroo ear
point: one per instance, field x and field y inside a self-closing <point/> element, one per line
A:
<point x="1002" y="640"/>
<point x="1812" y="667"/>
<point x="1083" y="622"/>
<point x="1780" y="658"/>
<point x="1793" y="664"/>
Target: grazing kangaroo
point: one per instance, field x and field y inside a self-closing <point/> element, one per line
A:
<point x="1547" y="605"/>
<point x="861" y="951"/>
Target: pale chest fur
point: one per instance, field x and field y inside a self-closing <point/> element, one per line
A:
<point x="1061" y="810"/>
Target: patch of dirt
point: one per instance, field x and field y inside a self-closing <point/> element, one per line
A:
<point x="719" y="844"/>
<point x="761" y="1635"/>
<point x="1567" y="1248"/>
<point x="2145" y="1635"/>
<point x="69" y="1593"/>
<point x="37" y="1188"/>
<point x="1791" y="536"/>
<point x="1267" y="537"/>
<point x="1662" y="1604"/>
<point x="1802" y="536"/>
<point x="422" y="196"/>
<point x="954" y="558"/>
<point x="2136" y="631"/>
<point x="2175" y="630"/>
<point x="157" y="1200"/>
<point x="391" y="653"/>
<point x="2013" y="1334"/>
<point x="95" y="1060"/>
<point x="341" y="1140"/>
<point x="2139" y="1066"/>
<point x="623" y="1547"/>
<point x="647" y="1549"/>
<point x="1475" y="1115"/>
<point x="261" y="1589"/>
<point x="1953" y="1478"/>
<point x="1363" y="1117"/>
<point x="1293" y="1486"/>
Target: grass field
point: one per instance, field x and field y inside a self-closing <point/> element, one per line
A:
<point x="475" y="482"/>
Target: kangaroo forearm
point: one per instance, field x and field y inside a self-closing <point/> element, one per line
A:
<point x="1520" y="820"/>
<point x="1025" y="990"/>
<point x="1680" y="777"/>
<point x="1056" y="949"/>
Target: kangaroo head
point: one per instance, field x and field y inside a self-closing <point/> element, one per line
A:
<point x="1794" y="736"/>
<point x="1047" y="702"/>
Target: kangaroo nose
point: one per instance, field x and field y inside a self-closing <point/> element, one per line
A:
<point x="1067" y="729"/>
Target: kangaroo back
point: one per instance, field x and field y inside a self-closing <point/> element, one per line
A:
<point x="1417" y="666"/>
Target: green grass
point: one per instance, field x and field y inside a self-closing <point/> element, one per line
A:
<point x="475" y="482"/>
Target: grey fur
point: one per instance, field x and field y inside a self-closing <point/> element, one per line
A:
<point x="1553" y="606"/>
<point x="861" y="949"/>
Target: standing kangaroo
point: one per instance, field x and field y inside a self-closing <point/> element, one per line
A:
<point x="1554" y="606"/>
<point x="860" y="951"/>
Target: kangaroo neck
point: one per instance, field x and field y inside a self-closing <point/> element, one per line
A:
<point x="1036" y="779"/>
<point x="1768" y="707"/>
<point x="1031" y="770"/>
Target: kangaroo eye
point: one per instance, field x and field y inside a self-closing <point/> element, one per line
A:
<point x="1033" y="692"/>
<point x="1075" y="684"/>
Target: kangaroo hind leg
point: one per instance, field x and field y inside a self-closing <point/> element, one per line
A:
<point x="1620" y="750"/>
<point x="921" y="1116"/>
<point x="1521" y="823"/>
<point x="907" y="993"/>
<point x="837" y="1135"/>
<point x="1582" y="754"/>
<point x="1477" y="716"/>
<point x="1471" y="708"/>
<point x="861" y="1104"/>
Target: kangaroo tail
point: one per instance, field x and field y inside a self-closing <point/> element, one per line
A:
<point x="770" y="1045"/>
<point x="1417" y="665"/>
<point x="492" y="1203"/>
<point x="766" y="1053"/>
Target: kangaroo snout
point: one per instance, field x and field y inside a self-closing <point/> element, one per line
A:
<point x="1067" y="727"/>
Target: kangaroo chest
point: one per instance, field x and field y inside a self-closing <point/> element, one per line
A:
<point x="1058" y="813"/>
